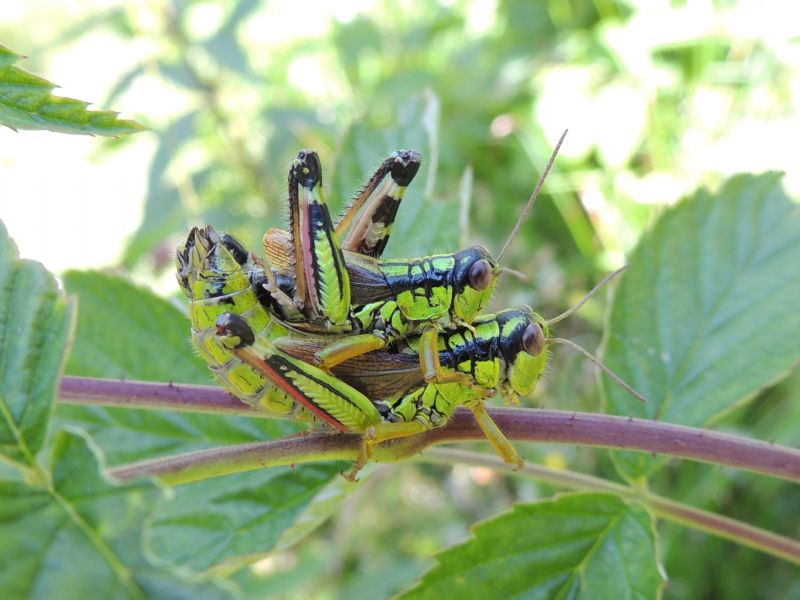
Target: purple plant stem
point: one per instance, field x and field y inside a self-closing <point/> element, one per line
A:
<point x="158" y="396"/>
<point x="517" y="423"/>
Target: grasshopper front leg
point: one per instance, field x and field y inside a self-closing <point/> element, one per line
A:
<point x="496" y="437"/>
<point x="349" y="347"/>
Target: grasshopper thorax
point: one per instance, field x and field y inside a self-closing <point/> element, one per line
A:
<point x="474" y="279"/>
<point x="523" y="334"/>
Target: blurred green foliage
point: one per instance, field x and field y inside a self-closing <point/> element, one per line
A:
<point x="659" y="99"/>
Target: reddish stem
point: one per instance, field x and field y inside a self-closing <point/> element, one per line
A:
<point x="517" y="423"/>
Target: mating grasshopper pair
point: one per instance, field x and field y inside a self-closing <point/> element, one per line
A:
<point x="410" y="343"/>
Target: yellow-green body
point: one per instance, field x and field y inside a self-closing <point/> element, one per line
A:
<point x="252" y="355"/>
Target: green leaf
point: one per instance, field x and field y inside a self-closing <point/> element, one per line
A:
<point x="7" y="56"/>
<point x="224" y="46"/>
<point x="217" y="521"/>
<point x="707" y="314"/>
<point x="79" y="535"/>
<point x="328" y="500"/>
<point x="35" y="323"/>
<point x="125" y="331"/>
<point x="27" y="102"/>
<point x="575" y="546"/>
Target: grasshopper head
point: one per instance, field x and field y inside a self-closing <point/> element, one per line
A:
<point x="523" y="334"/>
<point x="474" y="278"/>
<point x="208" y="262"/>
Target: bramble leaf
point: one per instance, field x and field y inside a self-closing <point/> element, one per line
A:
<point x="27" y="102"/>
<point x="573" y="546"/>
<point x="211" y="522"/>
<point x="78" y="535"/>
<point x="127" y="332"/>
<point x="707" y="316"/>
<point x="35" y="324"/>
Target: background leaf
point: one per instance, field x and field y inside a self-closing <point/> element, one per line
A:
<point x="78" y="536"/>
<point x="242" y="515"/>
<point x="575" y="546"/>
<point x="27" y="102"/>
<point x="35" y="323"/>
<point x="127" y="332"/>
<point x="707" y="314"/>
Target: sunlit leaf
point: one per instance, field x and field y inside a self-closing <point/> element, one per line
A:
<point x="224" y="45"/>
<point x="363" y="149"/>
<point x="707" y="316"/>
<point x="35" y="323"/>
<point x="27" y="102"/>
<point x="163" y="212"/>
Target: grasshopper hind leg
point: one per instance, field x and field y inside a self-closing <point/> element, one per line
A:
<point x="365" y="226"/>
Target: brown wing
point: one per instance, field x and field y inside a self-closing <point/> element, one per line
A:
<point x="367" y="281"/>
<point x="379" y="375"/>
<point x="382" y="375"/>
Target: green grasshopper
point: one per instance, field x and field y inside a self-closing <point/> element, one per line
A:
<point x="311" y="276"/>
<point x="500" y="352"/>
<point x="382" y="395"/>
<point x="503" y="352"/>
<point x="241" y="344"/>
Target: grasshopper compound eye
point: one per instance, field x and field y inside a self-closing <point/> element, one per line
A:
<point x="480" y="275"/>
<point x="533" y="339"/>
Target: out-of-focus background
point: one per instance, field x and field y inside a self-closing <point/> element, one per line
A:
<point x="659" y="97"/>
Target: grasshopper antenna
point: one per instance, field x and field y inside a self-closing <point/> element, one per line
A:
<point x="583" y="350"/>
<point x="526" y="211"/>
<point x="600" y="364"/>
<point x="518" y="274"/>
<point x="587" y="297"/>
